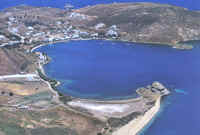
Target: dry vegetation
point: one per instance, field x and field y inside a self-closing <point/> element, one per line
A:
<point x="14" y="61"/>
<point x="53" y="121"/>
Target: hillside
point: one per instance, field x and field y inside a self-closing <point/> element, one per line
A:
<point x="146" y="22"/>
<point x="14" y="61"/>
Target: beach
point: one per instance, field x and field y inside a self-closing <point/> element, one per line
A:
<point x="136" y="125"/>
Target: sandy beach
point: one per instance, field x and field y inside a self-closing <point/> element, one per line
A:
<point x="136" y="125"/>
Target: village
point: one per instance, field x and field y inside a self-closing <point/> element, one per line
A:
<point x="26" y="28"/>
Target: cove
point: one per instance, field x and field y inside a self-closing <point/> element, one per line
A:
<point x="114" y="70"/>
<point x="103" y="69"/>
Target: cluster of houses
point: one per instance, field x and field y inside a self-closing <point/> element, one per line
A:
<point x="31" y="35"/>
<point x="57" y="31"/>
<point x="23" y="107"/>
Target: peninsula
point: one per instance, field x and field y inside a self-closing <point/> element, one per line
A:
<point x="30" y="98"/>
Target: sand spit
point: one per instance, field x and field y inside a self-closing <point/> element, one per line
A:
<point x="136" y="125"/>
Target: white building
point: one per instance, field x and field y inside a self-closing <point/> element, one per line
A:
<point x="2" y="37"/>
<point x="99" y="26"/>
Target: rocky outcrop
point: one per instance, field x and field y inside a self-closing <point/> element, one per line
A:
<point x="156" y="88"/>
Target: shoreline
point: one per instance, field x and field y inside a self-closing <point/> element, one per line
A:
<point x="56" y="95"/>
<point x="179" y="46"/>
<point x="136" y="125"/>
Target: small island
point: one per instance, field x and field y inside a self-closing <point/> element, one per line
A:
<point x="30" y="98"/>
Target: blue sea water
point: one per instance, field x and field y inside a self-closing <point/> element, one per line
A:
<point x="137" y="66"/>
<point x="190" y="4"/>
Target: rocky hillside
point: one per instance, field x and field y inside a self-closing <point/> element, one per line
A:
<point x="146" y="22"/>
<point x="13" y="61"/>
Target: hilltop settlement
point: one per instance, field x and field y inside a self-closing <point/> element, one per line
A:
<point x="30" y="103"/>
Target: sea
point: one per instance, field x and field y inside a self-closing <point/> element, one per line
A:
<point x="113" y="70"/>
<point x="190" y="4"/>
